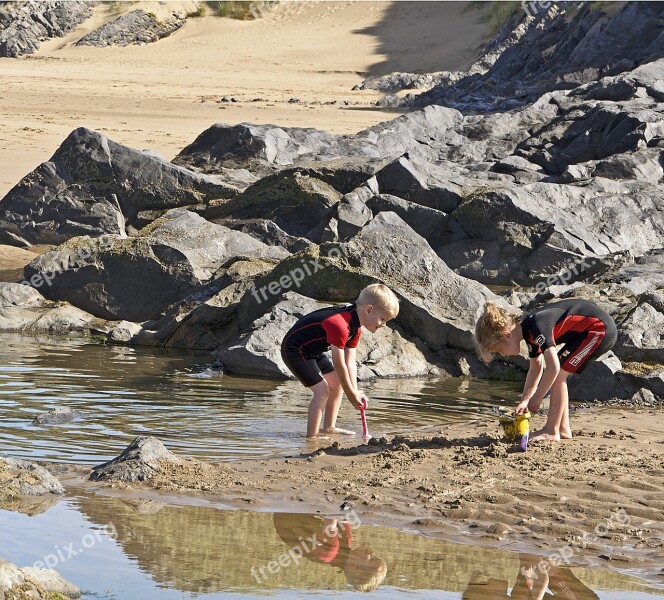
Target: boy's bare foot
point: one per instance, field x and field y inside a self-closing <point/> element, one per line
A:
<point x="544" y="436"/>
<point x="565" y="435"/>
<point x="337" y="430"/>
<point x="318" y="438"/>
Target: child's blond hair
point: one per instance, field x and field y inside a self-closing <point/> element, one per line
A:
<point x="381" y="297"/>
<point x="491" y="326"/>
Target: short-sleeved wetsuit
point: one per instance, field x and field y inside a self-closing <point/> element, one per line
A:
<point x="304" y="347"/>
<point x="584" y="329"/>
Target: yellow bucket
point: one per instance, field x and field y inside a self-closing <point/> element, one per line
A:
<point x="516" y="428"/>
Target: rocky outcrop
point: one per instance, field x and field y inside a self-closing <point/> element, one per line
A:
<point x="140" y="461"/>
<point x="94" y="186"/>
<point x="134" y="27"/>
<point x="562" y="46"/>
<point x="23" y="478"/>
<point x="136" y="278"/>
<point x="34" y="582"/>
<point x="24" y="25"/>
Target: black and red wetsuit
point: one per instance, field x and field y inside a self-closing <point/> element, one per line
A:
<point x="304" y="346"/>
<point x="584" y="329"/>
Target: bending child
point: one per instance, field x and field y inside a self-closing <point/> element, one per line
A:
<point x="583" y="329"/>
<point x="337" y="329"/>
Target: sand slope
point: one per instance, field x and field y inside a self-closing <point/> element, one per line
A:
<point x="162" y="95"/>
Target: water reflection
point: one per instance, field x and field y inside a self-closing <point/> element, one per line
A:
<point x="176" y="396"/>
<point x="328" y="541"/>
<point x="532" y="582"/>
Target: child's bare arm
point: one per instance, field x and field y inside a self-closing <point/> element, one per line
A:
<point x="532" y="380"/>
<point x="348" y="383"/>
<point x="550" y="373"/>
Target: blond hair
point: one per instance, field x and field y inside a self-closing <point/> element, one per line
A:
<point x="381" y="297"/>
<point x="491" y="326"/>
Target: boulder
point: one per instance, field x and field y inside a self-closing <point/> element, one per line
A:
<point x="24" y="309"/>
<point x="641" y="335"/>
<point x="133" y="27"/>
<point x="94" y="186"/>
<point x="297" y="203"/>
<point x="267" y="232"/>
<point x="135" y="278"/>
<point x="57" y="416"/>
<point x="24" y="25"/>
<point x="23" y="478"/>
<point x="33" y="582"/>
<point x="140" y="461"/>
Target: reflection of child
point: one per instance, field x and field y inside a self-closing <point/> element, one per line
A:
<point x="329" y="541"/>
<point x="337" y="329"/>
<point x="583" y="329"/>
<point x="530" y="585"/>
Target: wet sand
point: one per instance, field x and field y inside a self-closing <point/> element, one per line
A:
<point x="598" y="498"/>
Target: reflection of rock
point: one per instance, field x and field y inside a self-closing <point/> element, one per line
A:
<point x="56" y="416"/>
<point x="33" y="583"/>
<point x="29" y="505"/>
<point x="23" y="478"/>
<point x="140" y="461"/>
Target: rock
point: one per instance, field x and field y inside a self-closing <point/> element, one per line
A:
<point x="600" y="381"/>
<point x="11" y="239"/>
<point x="51" y="581"/>
<point x="24" y="25"/>
<point x="124" y="332"/>
<point x="267" y="232"/>
<point x="24" y="309"/>
<point x="136" y="278"/>
<point x="395" y="82"/>
<point x="297" y="203"/>
<point x="641" y="335"/>
<point x="94" y="186"/>
<point x="539" y="233"/>
<point x="579" y="48"/>
<point x="23" y="478"/>
<point x="140" y="461"/>
<point x="57" y="416"/>
<point x="134" y="27"/>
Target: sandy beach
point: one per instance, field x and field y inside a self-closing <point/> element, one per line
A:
<point x="161" y="96"/>
<point x="596" y="498"/>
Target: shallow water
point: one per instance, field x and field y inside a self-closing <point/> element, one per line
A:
<point x="124" y="392"/>
<point x="115" y="547"/>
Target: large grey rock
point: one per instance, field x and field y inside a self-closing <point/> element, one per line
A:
<point x="641" y="335"/>
<point x="140" y="461"/>
<point x="136" y="278"/>
<point x="51" y="581"/>
<point x="57" y="416"/>
<point x="24" y="25"/>
<point x="601" y="381"/>
<point x="94" y="186"/>
<point x="134" y="27"/>
<point x="258" y="351"/>
<point x="24" y="309"/>
<point x="268" y="232"/>
<point x="23" y="478"/>
<point x="528" y="234"/>
<point x="296" y="202"/>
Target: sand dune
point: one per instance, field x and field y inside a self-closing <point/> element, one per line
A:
<point x="162" y="95"/>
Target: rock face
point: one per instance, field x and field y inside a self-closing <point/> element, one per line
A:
<point x="23" y="478"/>
<point x="24" y="25"/>
<point x="94" y="186"/>
<point x="134" y="27"/>
<point x="135" y="278"/>
<point x="33" y="582"/>
<point x="140" y="461"/>
<point x="560" y="47"/>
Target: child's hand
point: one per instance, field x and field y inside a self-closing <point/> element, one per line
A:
<point x="522" y="407"/>
<point x="365" y="400"/>
<point x="356" y="400"/>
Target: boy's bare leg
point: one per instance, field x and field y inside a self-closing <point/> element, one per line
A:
<point x="316" y="407"/>
<point x="333" y="405"/>
<point x="558" y="408"/>
<point x="565" y="428"/>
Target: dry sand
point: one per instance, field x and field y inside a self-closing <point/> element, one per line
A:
<point x="599" y="496"/>
<point x="162" y="95"/>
